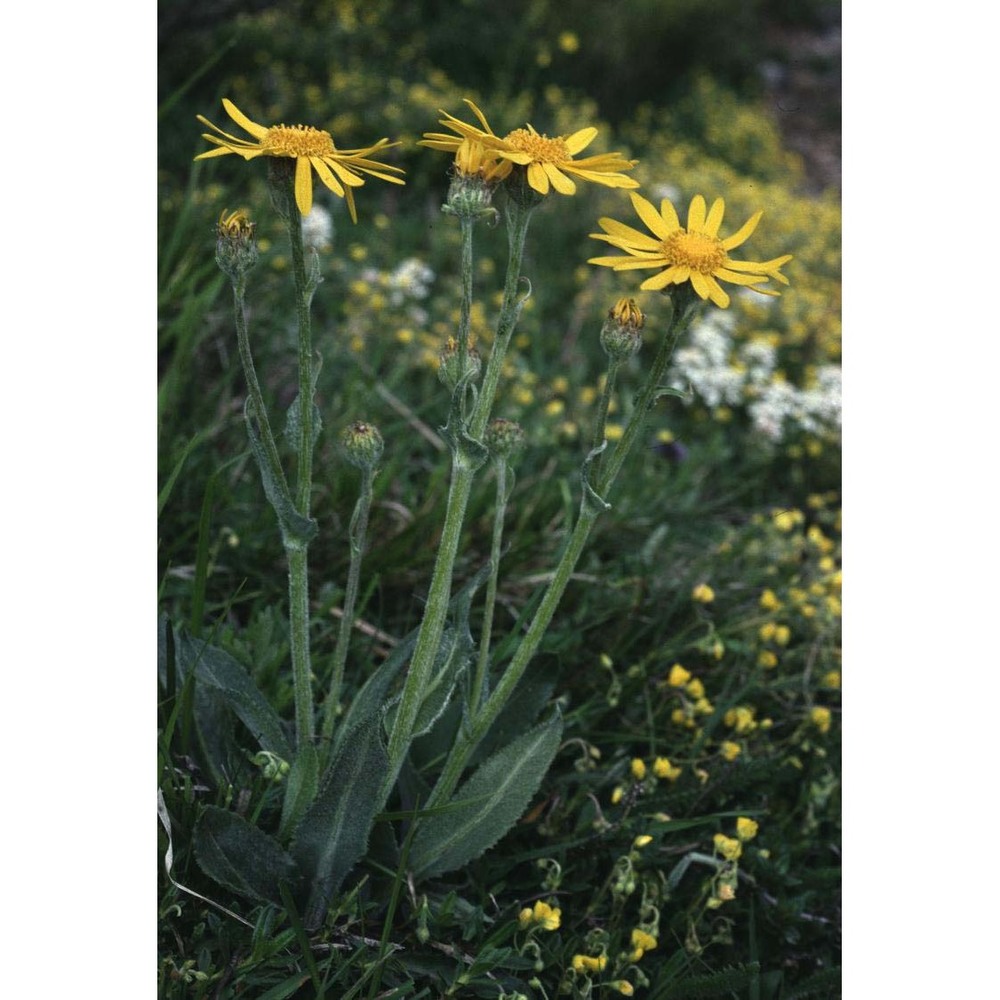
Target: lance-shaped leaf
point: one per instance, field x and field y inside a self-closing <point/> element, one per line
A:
<point x="334" y="832"/>
<point x="300" y="789"/>
<point x="216" y="670"/>
<point x="241" y="857"/>
<point x="496" y="796"/>
<point x="296" y="530"/>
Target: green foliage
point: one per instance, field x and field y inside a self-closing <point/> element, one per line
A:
<point x="702" y="500"/>
<point x="491" y="802"/>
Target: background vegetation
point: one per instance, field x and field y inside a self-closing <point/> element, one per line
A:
<point x="738" y="486"/>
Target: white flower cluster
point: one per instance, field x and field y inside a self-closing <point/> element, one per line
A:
<point x="716" y="372"/>
<point x="317" y="229"/>
<point x="406" y="285"/>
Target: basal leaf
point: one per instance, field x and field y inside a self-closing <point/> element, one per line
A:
<point x="333" y="834"/>
<point x="241" y="857"/>
<point x="497" y="795"/>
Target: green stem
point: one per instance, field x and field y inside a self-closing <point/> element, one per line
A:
<point x="483" y="665"/>
<point x="250" y="374"/>
<point x="462" y="473"/>
<point x="518" y="220"/>
<point x="358" y="533"/>
<point x="465" y="315"/>
<point x="602" y="415"/>
<point x="484" y="719"/>
<point x="298" y="559"/>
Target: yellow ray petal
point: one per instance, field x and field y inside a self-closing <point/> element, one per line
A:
<point x="714" y="219"/>
<point x="515" y="156"/>
<point x="579" y="140"/>
<point x="633" y="236"/>
<point x="669" y="214"/>
<point x="257" y="131"/>
<point x="344" y="173"/>
<point x="218" y="151"/>
<point x="659" y="281"/>
<point x="700" y="284"/>
<point x="716" y="293"/>
<point x="349" y="198"/>
<point x="743" y="233"/>
<point x="538" y="178"/>
<point x="654" y="221"/>
<point x="326" y="176"/>
<point x="696" y="216"/>
<point x="739" y="279"/>
<point x="559" y="180"/>
<point x="303" y="184"/>
<point x="480" y="116"/>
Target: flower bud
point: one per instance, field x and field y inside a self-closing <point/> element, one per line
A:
<point x="503" y="437"/>
<point x="450" y="370"/>
<point x="473" y="181"/>
<point x="236" y="244"/>
<point x="620" y="335"/>
<point x="362" y="444"/>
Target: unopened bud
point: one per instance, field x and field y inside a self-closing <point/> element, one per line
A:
<point x="503" y="437"/>
<point x="620" y="336"/>
<point x="363" y="445"/>
<point x="450" y="369"/>
<point x="235" y="244"/>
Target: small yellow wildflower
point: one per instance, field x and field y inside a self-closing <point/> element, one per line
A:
<point x="782" y="634"/>
<point x="769" y="601"/>
<point x="767" y="631"/>
<point x="701" y="774"/>
<point x="820" y="718"/>
<point x="642" y="840"/>
<point x="661" y="767"/>
<point x="616" y="795"/>
<point x="678" y="676"/>
<point x="568" y="42"/>
<point x="831" y="679"/>
<point x="584" y="963"/>
<point x="679" y="717"/>
<point x="548" y="916"/>
<point x="638" y="768"/>
<point x="730" y="750"/>
<point x="526" y="916"/>
<point x="640" y="939"/>
<point x="687" y="253"/>
<point x="547" y="161"/>
<point x="623" y="986"/>
<point x="728" y="847"/>
<point x="746" y="828"/>
<point x="718" y="649"/>
<point x="704" y="707"/>
<point x="613" y="432"/>
<point x="311" y="149"/>
<point x="741" y="718"/>
<point x="786" y="520"/>
<point x="696" y="689"/>
<point x="726" y="893"/>
<point x="703" y="593"/>
<point x="767" y="659"/>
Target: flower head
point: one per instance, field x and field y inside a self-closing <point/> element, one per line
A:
<point x="746" y="828"/>
<point x="312" y="149"/>
<point x="703" y="593"/>
<point x="729" y="847"/>
<point x="548" y="162"/>
<point x="692" y="253"/>
<point x="547" y="916"/>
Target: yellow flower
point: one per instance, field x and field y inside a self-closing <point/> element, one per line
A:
<point x="312" y="149"/>
<point x="616" y="795"/>
<point x="642" y="840"/>
<point x="638" y="768"/>
<point x="678" y="676"/>
<point x="548" y="916"/>
<point x="729" y="750"/>
<point x="547" y="161"/>
<point x="584" y="963"/>
<point x="820" y="718"/>
<point x="693" y="253"/>
<point x="703" y="593"/>
<point x="640" y="939"/>
<point x="728" y="847"/>
<point x="769" y="601"/>
<point x="623" y="986"/>
<point x="782" y="634"/>
<point x="726" y="893"/>
<point x="767" y="659"/>
<point x="696" y="689"/>
<point x="746" y="829"/>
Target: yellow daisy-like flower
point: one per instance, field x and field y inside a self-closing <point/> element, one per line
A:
<point x="312" y="149"/>
<point x="547" y="161"/>
<point x="692" y="253"/>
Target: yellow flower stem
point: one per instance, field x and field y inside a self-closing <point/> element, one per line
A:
<point x="463" y="471"/>
<point x="358" y="532"/>
<point x="500" y="511"/>
<point x="253" y="385"/>
<point x="298" y="558"/>
<point x="484" y="719"/>
<point x="602" y="416"/>
<point x="518" y="219"/>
